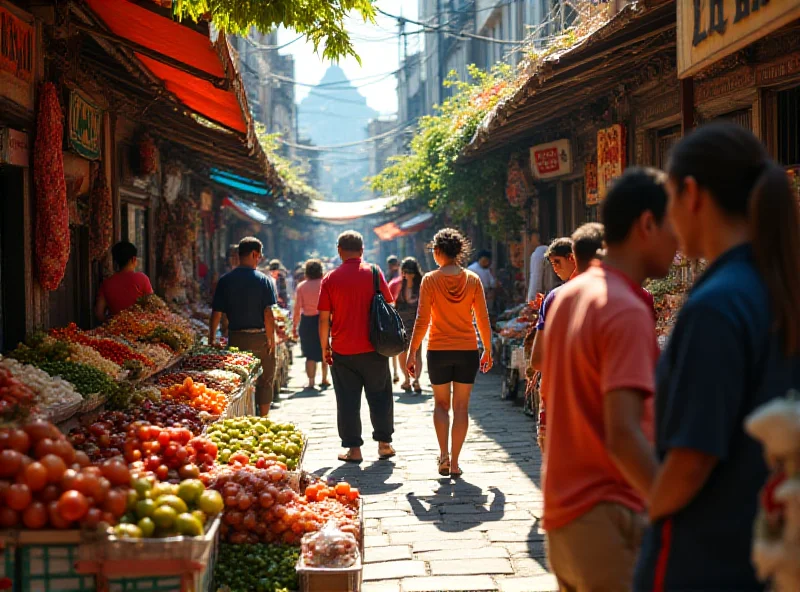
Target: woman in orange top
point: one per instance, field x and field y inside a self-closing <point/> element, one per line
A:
<point x="448" y="299"/>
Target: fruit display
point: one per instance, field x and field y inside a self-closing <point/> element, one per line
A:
<point x="83" y="354"/>
<point x="129" y="395"/>
<point x="245" y="440"/>
<point x="161" y="355"/>
<point x="196" y="394"/>
<point x="110" y="436"/>
<point x="157" y="510"/>
<point x="260" y="506"/>
<point x="330" y="547"/>
<point x="86" y="379"/>
<point x="16" y="399"/>
<point x="270" y="568"/>
<point x="46" y="483"/>
<point x="220" y="380"/>
<point x="150" y="321"/>
<point x="110" y="349"/>
<point x="168" y="453"/>
<point x="50" y="391"/>
<point x="240" y="362"/>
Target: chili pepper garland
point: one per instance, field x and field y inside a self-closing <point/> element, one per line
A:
<point x="52" y="210"/>
<point x="101" y="214"/>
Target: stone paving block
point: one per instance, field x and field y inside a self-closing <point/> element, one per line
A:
<point x="381" y="586"/>
<point x="380" y="514"/>
<point x="482" y="583"/>
<point x="406" y="520"/>
<point x="543" y="583"/>
<point x="392" y="570"/>
<point x="388" y="553"/>
<point x="468" y="567"/>
<point x="513" y="536"/>
<point x="422" y="546"/>
<point x="529" y="566"/>
<point x="376" y="541"/>
<point x="405" y="538"/>
<point x="448" y="554"/>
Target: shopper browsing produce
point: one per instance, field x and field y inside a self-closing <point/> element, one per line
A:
<point x="125" y="287"/>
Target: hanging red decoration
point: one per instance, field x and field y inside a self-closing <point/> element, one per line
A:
<point x="147" y="155"/>
<point x="52" y="210"/>
<point x="517" y="186"/>
<point x="101" y="215"/>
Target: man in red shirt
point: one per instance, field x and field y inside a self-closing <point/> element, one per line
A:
<point x="600" y="352"/>
<point x="344" y="306"/>
<point x="125" y="287"/>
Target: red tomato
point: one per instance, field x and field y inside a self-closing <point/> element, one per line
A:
<point x="44" y="447"/>
<point x="82" y="458"/>
<point x="49" y="494"/>
<point x="164" y="438"/>
<point x="93" y="517"/>
<point x="116" y="502"/>
<point x="35" y="516"/>
<point x="342" y="488"/>
<point x="40" y="429"/>
<point x="55" y="517"/>
<point x="8" y="517"/>
<point x="162" y="472"/>
<point x="18" y="497"/>
<point x="353" y="494"/>
<point x="35" y="476"/>
<point x="116" y="472"/>
<point x="10" y="463"/>
<point x="19" y="440"/>
<point x="56" y="467"/>
<point x="64" y="449"/>
<point x="73" y="505"/>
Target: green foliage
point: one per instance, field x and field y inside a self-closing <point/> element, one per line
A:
<point x="429" y="172"/>
<point x="293" y="174"/>
<point x="321" y="21"/>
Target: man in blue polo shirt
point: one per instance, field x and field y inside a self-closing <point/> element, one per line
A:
<point x="246" y="297"/>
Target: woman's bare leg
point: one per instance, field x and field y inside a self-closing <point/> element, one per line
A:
<point x="403" y="361"/>
<point x="311" y="372"/>
<point x="461" y="394"/>
<point x="441" y="416"/>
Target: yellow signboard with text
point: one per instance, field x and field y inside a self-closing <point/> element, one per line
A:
<point x="709" y="30"/>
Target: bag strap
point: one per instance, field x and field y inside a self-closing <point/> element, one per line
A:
<point x="375" y="282"/>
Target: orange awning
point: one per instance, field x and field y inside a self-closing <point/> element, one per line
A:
<point x="388" y="231"/>
<point x="192" y="48"/>
<point x="403" y="227"/>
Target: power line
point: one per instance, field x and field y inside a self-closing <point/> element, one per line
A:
<point x="392" y="132"/>
<point x="441" y="29"/>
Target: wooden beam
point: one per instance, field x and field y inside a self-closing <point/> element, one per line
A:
<point x="222" y="83"/>
<point x="687" y="105"/>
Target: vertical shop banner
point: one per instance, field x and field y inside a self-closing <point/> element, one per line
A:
<point x="84" y="127"/>
<point x="553" y="159"/>
<point x="17" y="57"/>
<point x="610" y="157"/>
<point x="709" y="30"/>
<point x="518" y="188"/>
<point x="590" y="182"/>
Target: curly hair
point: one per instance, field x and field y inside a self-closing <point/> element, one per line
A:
<point x="451" y="243"/>
<point x="313" y="269"/>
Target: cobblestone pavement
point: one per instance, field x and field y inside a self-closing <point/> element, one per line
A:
<point x="424" y="532"/>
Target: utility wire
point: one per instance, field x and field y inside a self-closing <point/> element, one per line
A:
<point x="392" y="132"/>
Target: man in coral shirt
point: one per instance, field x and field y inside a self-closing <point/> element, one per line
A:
<point x="600" y="352"/>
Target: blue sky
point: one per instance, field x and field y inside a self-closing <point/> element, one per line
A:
<point x="379" y="48"/>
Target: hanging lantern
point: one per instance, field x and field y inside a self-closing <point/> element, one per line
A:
<point x="147" y="155"/>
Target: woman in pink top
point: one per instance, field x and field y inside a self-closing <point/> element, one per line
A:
<point x="306" y="322"/>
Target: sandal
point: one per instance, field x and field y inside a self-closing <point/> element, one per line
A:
<point x="406" y="386"/>
<point x="457" y="474"/>
<point x="386" y="453"/>
<point x="444" y="465"/>
<point x="417" y="387"/>
<point x="324" y="384"/>
<point x="348" y="457"/>
<point x="396" y="379"/>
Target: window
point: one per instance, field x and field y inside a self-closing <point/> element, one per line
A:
<point x="665" y="139"/>
<point x="135" y="230"/>
<point x="788" y="136"/>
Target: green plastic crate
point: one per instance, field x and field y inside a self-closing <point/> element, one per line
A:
<point x="146" y="584"/>
<point x="51" y="568"/>
<point x="7" y="565"/>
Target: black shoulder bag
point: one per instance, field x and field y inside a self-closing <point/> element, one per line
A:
<point x="386" y="331"/>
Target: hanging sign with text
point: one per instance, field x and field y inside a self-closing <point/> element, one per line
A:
<point x="610" y="157"/>
<point x="709" y="30"/>
<point x="14" y="147"/>
<point x="84" y="127"/>
<point x="16" y="46"/>
<point x="553" y="159"/>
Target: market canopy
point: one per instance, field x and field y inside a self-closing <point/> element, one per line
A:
<point x="245" y="211"/>
<point x="403" y="226"/>
<point x="198" y="76"/>
<point x="342" y="211"/>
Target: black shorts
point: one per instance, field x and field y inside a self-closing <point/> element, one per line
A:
<point x="445" y="366"/>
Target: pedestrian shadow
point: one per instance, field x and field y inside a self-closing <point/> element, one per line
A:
<point x="454" y="517"/>
<point x="306" y="393"/>
<point x="370" y="479"/>
<point x="413" y="398"/>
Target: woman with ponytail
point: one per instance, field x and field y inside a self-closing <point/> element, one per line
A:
<point x="735" y="346"/>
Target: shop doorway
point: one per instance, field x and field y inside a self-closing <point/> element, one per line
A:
<point x="12" y="263"/>
<point x="71" y="302"/>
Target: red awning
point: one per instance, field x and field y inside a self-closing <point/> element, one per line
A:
<point x="388" y="231"/>
<point x="403" y="227"/>
<point x="148" y="29"/>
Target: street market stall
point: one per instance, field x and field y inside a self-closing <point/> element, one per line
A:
<point x="131" y="459"/>
<point x="512" y="328"/>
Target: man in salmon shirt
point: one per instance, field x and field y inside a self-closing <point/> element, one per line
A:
<point x="125" y="287"/>
<point x="600" y="352"/>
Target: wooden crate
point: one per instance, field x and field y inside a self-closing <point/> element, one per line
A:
<point x="321" y="579"/>
<point x="44" y="561"/>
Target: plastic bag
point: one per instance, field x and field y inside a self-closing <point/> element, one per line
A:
<point x="329" y="547"/>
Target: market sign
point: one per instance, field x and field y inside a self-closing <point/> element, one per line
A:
<point x="16" y="46"/>
<point x="709" y="30"/>
<point x="590" y="181"/>
<point x="84" y="127"/>
<point x="553" y="159"/>
<point x="14" y="147"/>
<point x="610" y="157"/>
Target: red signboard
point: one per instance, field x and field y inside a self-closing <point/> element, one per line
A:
<point x="16" y="46"/>
<point x="553" y="159"/>
<point x="610" y="157"/>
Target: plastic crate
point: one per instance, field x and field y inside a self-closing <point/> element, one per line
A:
<point x="7" y="564"/>
<point x="151" y="584"/>
<point x="51" y="568"/>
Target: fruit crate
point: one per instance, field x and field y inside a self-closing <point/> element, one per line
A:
<point x="242" y="402"/>
<point x="44" y="561"/>
<point x="328" y="579"/>
<point x="7" y="563"/>
<point x="131" y="565"/>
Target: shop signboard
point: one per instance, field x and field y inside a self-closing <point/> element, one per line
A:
<point x="590" y="181"/>
<point x="709" y="30"/>
<point x="14" y="147"/>
<point x="553" y="159"/>
<point x="17" y="61"/>
<point x="610" y="157"/>
<point x="84" y="127"/>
